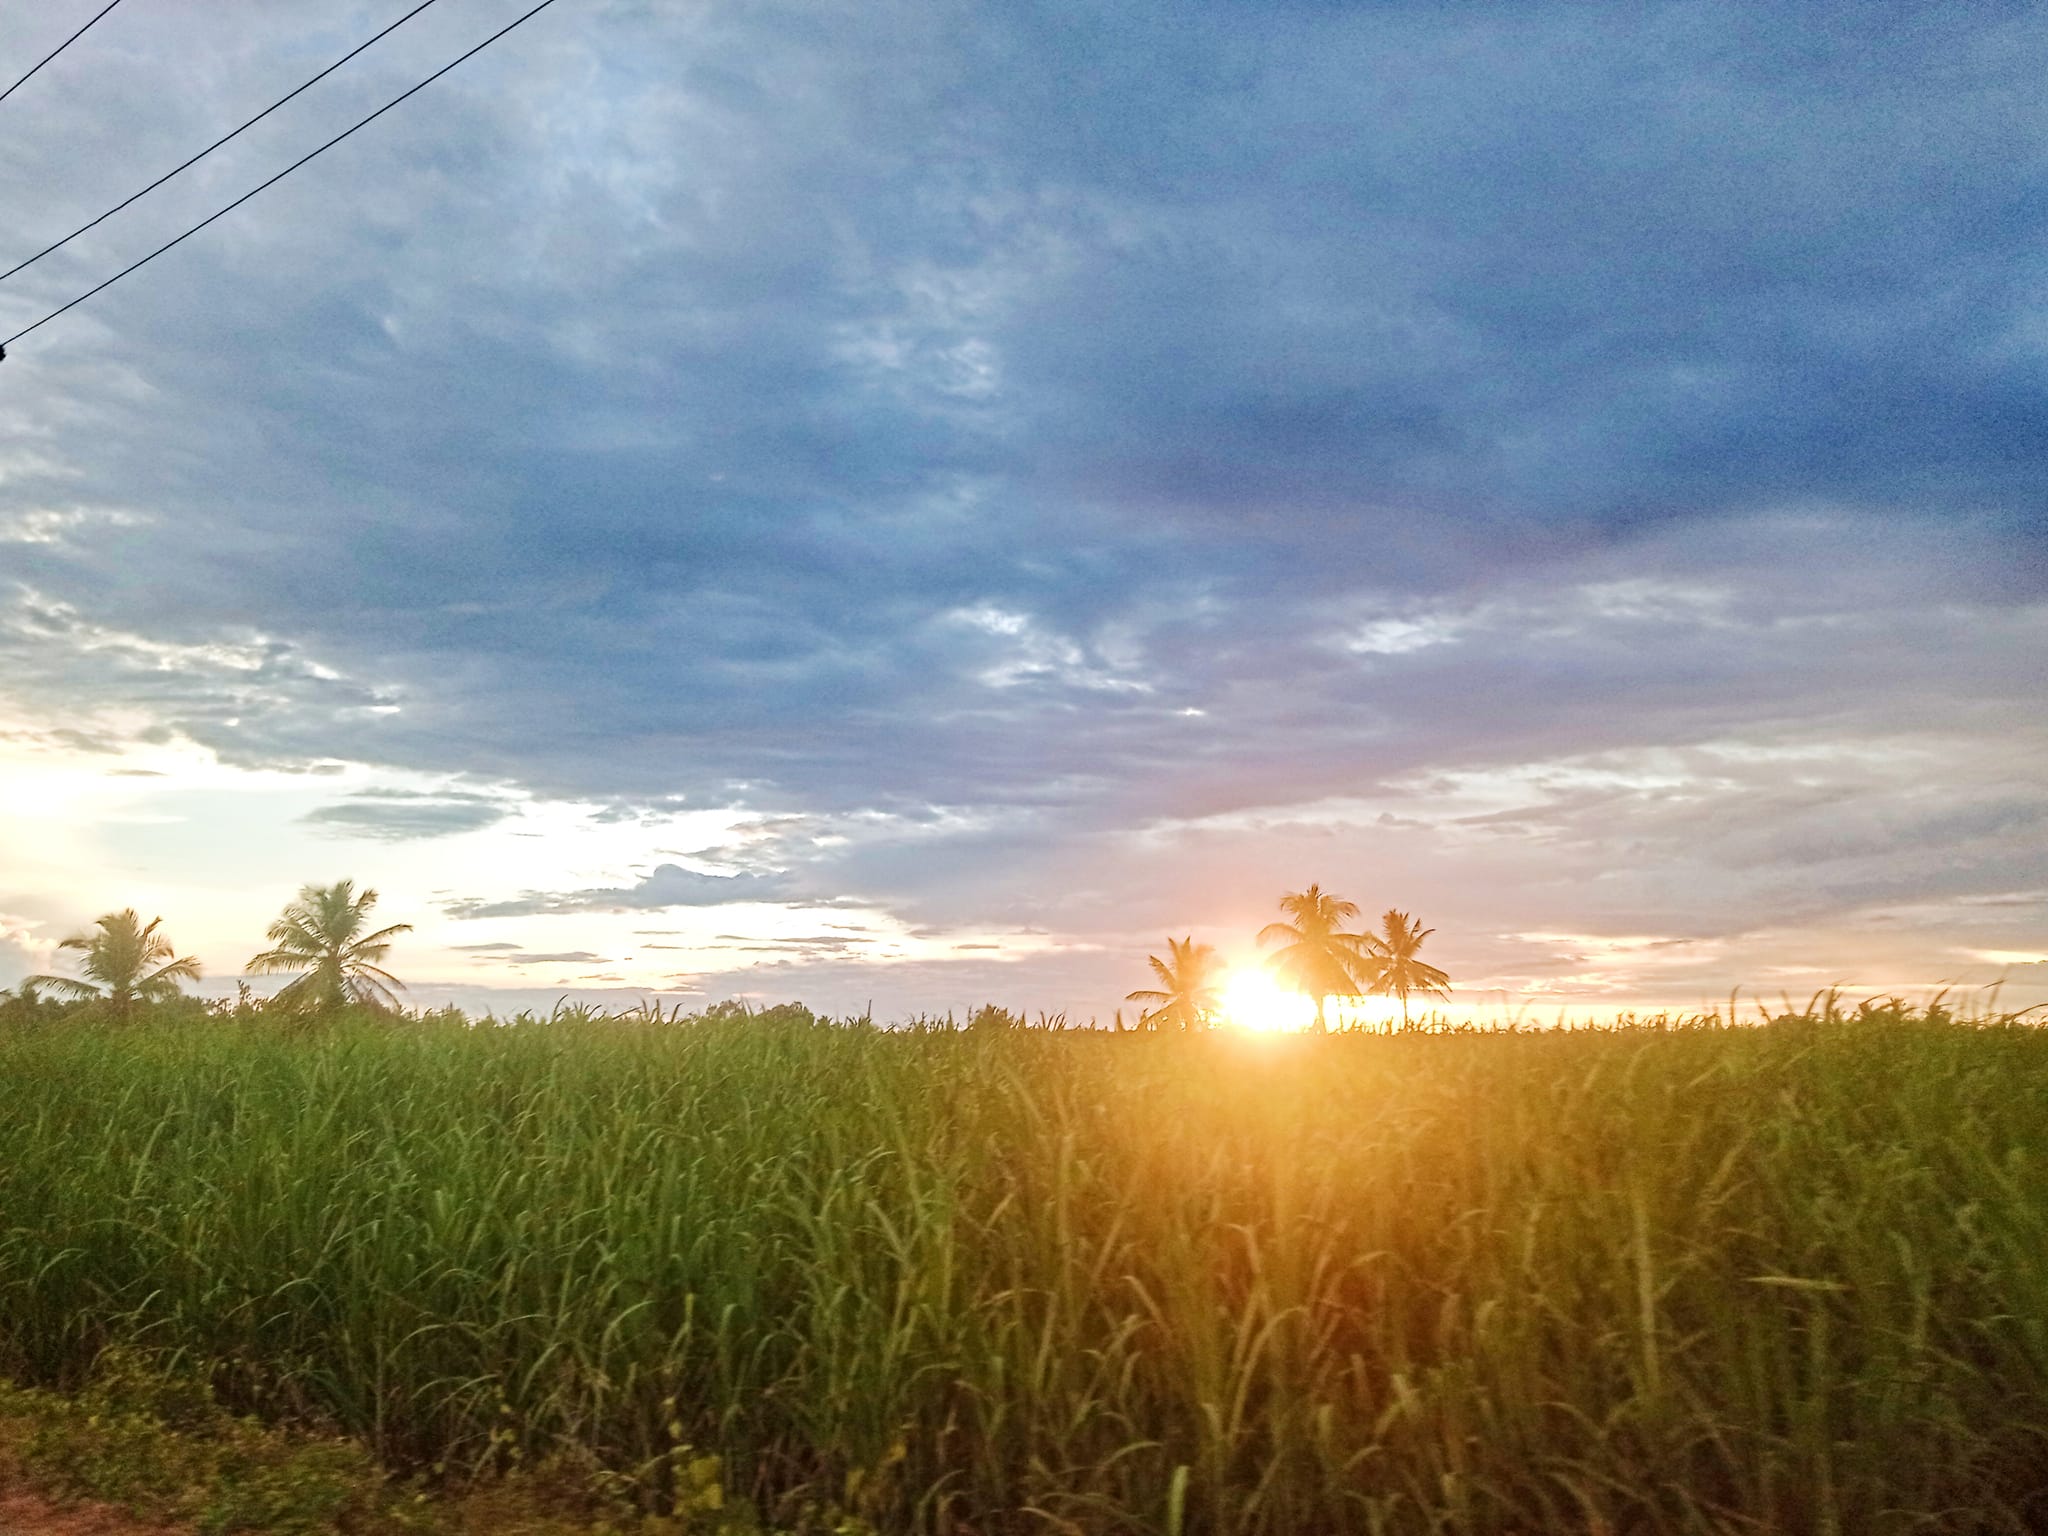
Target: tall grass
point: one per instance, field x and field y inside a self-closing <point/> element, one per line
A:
<point x="1791" y="1279"/>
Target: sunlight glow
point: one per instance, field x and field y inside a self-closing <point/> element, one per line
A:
<point x="1254" y="999"/>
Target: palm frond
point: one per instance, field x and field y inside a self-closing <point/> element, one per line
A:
<point x="319" y="933"/>
<point x="271" y="961"/>
<point x="128" y="959"/>
<point x="78" y="991"/>
<point x="292" y="933"/>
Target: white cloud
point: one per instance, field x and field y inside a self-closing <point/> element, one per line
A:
<point x="1397" y="637"/>
<point x="1030" y="653"/>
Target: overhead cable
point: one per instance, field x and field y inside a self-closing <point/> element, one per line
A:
<point x="216" y="144"/>
<point x="74" y="37"/>
<point x="280" y="176"/>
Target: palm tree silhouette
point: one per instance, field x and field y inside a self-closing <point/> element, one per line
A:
<point x="1187" y="994"/>
<point x="321" y="933"/>
<point x="1316" y="952"/>
<point x="1395" y="970"/>
<point x="127" y="961"/>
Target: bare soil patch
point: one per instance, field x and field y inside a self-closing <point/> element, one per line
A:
<point x="25" y="1514"/>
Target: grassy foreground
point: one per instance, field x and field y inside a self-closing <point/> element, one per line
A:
<point x="1786" y="1279"/>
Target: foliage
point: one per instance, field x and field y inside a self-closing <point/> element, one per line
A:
<point x="321" y="934"/>
<point x="1669" y="1278"/>
<point x="991" y="1017"/>
<point x="150" y="1436"/>
<point x="127" y="962"/>
<point x="1396" y="970"/>
<point x="1188" y="995"/>
<point x="1317" y="953"/>
<point x="26" y="1006"/>
<point x="157" y="1443"/>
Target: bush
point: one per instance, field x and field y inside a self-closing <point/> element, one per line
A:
<point x="156" y="1442"/>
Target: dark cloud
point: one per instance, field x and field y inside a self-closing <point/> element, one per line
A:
<point x="803" y="945"/>
<point x="402" y="815"/>
<point x="670" y="885"/>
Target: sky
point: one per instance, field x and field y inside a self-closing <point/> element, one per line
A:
<point x="912" y="504"/>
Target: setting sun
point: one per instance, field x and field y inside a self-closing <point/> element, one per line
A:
<point x="1254" y="999"/>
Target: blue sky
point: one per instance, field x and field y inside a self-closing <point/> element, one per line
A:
<point x="916" y="502"/>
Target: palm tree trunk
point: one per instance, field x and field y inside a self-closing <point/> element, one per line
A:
<point x="1322" y="1024"/>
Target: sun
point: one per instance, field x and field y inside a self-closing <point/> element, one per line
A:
<point x="1253" y="999"/>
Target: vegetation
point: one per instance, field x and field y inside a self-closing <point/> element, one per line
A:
<point x="1189" y="991"/>
<point x="160" y="1444"/>
<point x="321" y="935"/>
<point x="1396" y="970"/>
<point x="1317" y="953"/>
<point x="126" y="962"/>
<point x="322" y="940"/>
<point x="153" y="1439"/>
<point x="1664" y="1278"/>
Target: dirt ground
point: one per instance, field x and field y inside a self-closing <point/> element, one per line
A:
<point x="23" y="1514"/>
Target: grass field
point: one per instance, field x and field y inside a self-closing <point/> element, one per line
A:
<point x="1789" y="1279"/>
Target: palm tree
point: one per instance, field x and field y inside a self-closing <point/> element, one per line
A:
<point x="321" y="934"/>
<point x="127" y="961"/>
<point x="1395" y="970"/>
<point x="1316" y="953"/>
<point x="1187" y="994"/>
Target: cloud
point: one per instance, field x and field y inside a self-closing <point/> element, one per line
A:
<point x="802" y="946"/>
<point x="2008" y="957"/>
<point x="1084" y="371"/>
<point x="670" y="885"/>
<point x="1055" y="495"/>
<point x="396" y="815"/>
<point x="23" y="950"/>
<point x="254" y="697"/>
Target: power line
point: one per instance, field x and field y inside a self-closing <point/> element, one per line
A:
<point x="216" y="144"/>
<point x="280" y="176"/>
<point x="74" y="37"/>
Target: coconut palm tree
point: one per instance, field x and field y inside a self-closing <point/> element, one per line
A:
<point x="1396" y="971"/>
<point x="1316" y="953"/>
<point x="321" y="934"/>
<point x="1188" y="993"/>
<point x="126" y="962"/>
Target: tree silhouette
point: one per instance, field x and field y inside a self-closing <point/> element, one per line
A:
<point x="1316" y="952"/>
<point x="321" y="934"/>
<point x="1396" y="971"/>
<point x="126" y="962"/>
<point x="1187" y="994"/>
